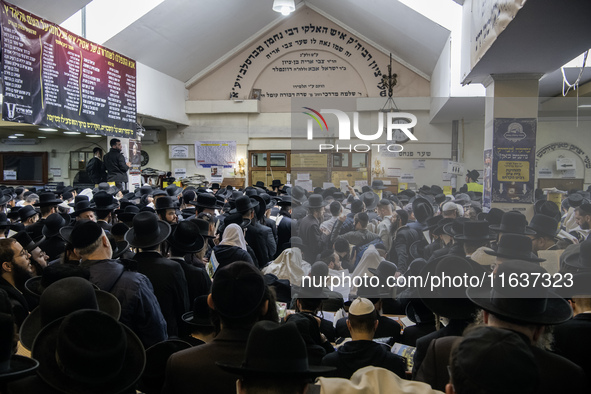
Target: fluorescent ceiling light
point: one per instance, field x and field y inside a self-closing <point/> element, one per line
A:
<point x="585" y="106"/>
<point x="93" y="135"/>
<point x="47" y="129"/>
<point x="42" y="136"/>
<point x="71" y="132"/>
<point x="12" y="136"/>
<point x="286" y="7"/>
<point x="19" y="135"/>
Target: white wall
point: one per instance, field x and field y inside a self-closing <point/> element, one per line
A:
<point x="160" y="96"/>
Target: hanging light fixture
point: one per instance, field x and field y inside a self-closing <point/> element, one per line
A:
<point x="285" y="7"/>
<point x="389" y="81"/>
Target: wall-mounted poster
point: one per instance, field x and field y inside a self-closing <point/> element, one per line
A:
<point x="55" y="78"/>
<point x="135" y="154"/>
<point x="513" y="160"/>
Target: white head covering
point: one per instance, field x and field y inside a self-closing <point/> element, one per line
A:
<point x="289" y="265"/>
<point x="370" y="259"/>
<point x="373" y="380"/>
<point x="233" y="236"/>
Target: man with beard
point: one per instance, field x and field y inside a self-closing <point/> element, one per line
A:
<point x="16" y="270"/>
<point x="402" y="238"/>
<point x="583" y="219"/>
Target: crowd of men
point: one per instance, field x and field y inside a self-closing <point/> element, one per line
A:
<point x="184" y="290"/>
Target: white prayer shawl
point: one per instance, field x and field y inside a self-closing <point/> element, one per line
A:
<point x="289" y="265"/>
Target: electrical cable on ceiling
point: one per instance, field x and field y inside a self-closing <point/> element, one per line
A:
<point x="575" y="84"/>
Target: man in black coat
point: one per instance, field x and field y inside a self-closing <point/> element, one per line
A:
<point x="167" y="276"/>
<point x="115" y="164"/>
<point x="95" y="168"/>
<point x="362" y="351"/>
<point x="284" y="223"/>
<point x="403" y="237"/>
<point x="239" y="298"/>
<point x="309" y="229"/>
<point x="255" y="236"/>
<point x="15" y="270"/>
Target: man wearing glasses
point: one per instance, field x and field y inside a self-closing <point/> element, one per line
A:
<point x="16" y="270"/>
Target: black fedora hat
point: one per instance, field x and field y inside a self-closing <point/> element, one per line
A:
<point x="269" y="202"/>
<point x="578" y="257"/>
<point x="532" y="303"/>
<point x="476" y="231"/>
<point x="575" y="199"/>
<point x="276" y="183"/>
<point x="203" y="226"/>
<point x="260" y="208"/>
<point x="13" y="215"/>
<point x="53" y="224"/>
<point x="298" y="194"/>
<point x="370" y="199"/>
<point x="417" y="312"/>
<point x="127" y="214"/>
<point x="268" y="343"/>
<point x="24" y="238"/>
<point x="89" y="352"/>
<point x="260" y="184"/>
<point x="284" y="201"/>
<point x="83" y="206"/>
<point x="47" y="199"/>
<point x="5" y="198"/>
<point x="378" y="184"/>
<point x="206" y="200"/>
<point x="104" y="201"/>
<point x="244" y="203"/>
<point x="515" y="246"/>
<point x="105" y="187"/>
<point x="450" y="301"/>
<point x="422" y="209"/>
<point x="199" y="316"/>
<point x="164" y="203"/>
<point x="425" y="190"/>
<point x="544" y="225"/>
<point x="185" y="237"/>
<point x="456" y="227"/>
<point x="417" y="248"/>
<point x="440" y="225"/>
<point x="433" y="222"/>
<point x="238" y="289"/>
<point x="27" y="211"/>
<point x="144" y="190"/>
<point x="173" y="190"/>
<point x="296" y="242"/>
<point x="12" y="366"/>
<point x="236" y="218"/>
<point x="315" y="201"/>
<point x="157" y="356"/>
<point x="494" y="216"/>
<point x="384" y="270"/>
<point x="513" y="222"/>
<point x="62" y="298"/>
<point x="147" y="231"/>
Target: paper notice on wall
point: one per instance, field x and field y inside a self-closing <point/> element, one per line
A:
<point x="446" y="176"/>
<point x="420" y="163"/>
<point x="307" y="185"/>
<point x="447" y="190"/>
<point x="393" y="172"/>
<point x="303" y="176"/>
<point x="408" y="178"/>
<point x="56" y="172"/>
<point x="180" y="172"/>
<point x="545" y="173"/>
<point x="568" y="174"/>
<point x="327" y="185"/>
<point x="360" y="184"/>
<point x="402" y="186"/>
<point x="9" y="175"/>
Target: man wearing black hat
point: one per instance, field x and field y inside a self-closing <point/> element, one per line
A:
<point x="239" y="298"/>
<point x="309" y="228"/>
<point x="402" y="238"/>
<point x="546" y="229"/>
<point x="47" y="205"/>
<point x="139" y="306"/>
<point x="105" y="204"/>
<point x="115" y="164"/>
<point x="265" y="368"/>
<point x="284" y="223"/>
<point x="166" y="210"/>
<point x="471" y="183"/>
<point x="256" y="236"/>
<point x="185" y="239"/>
<point x="167" y="276"/>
